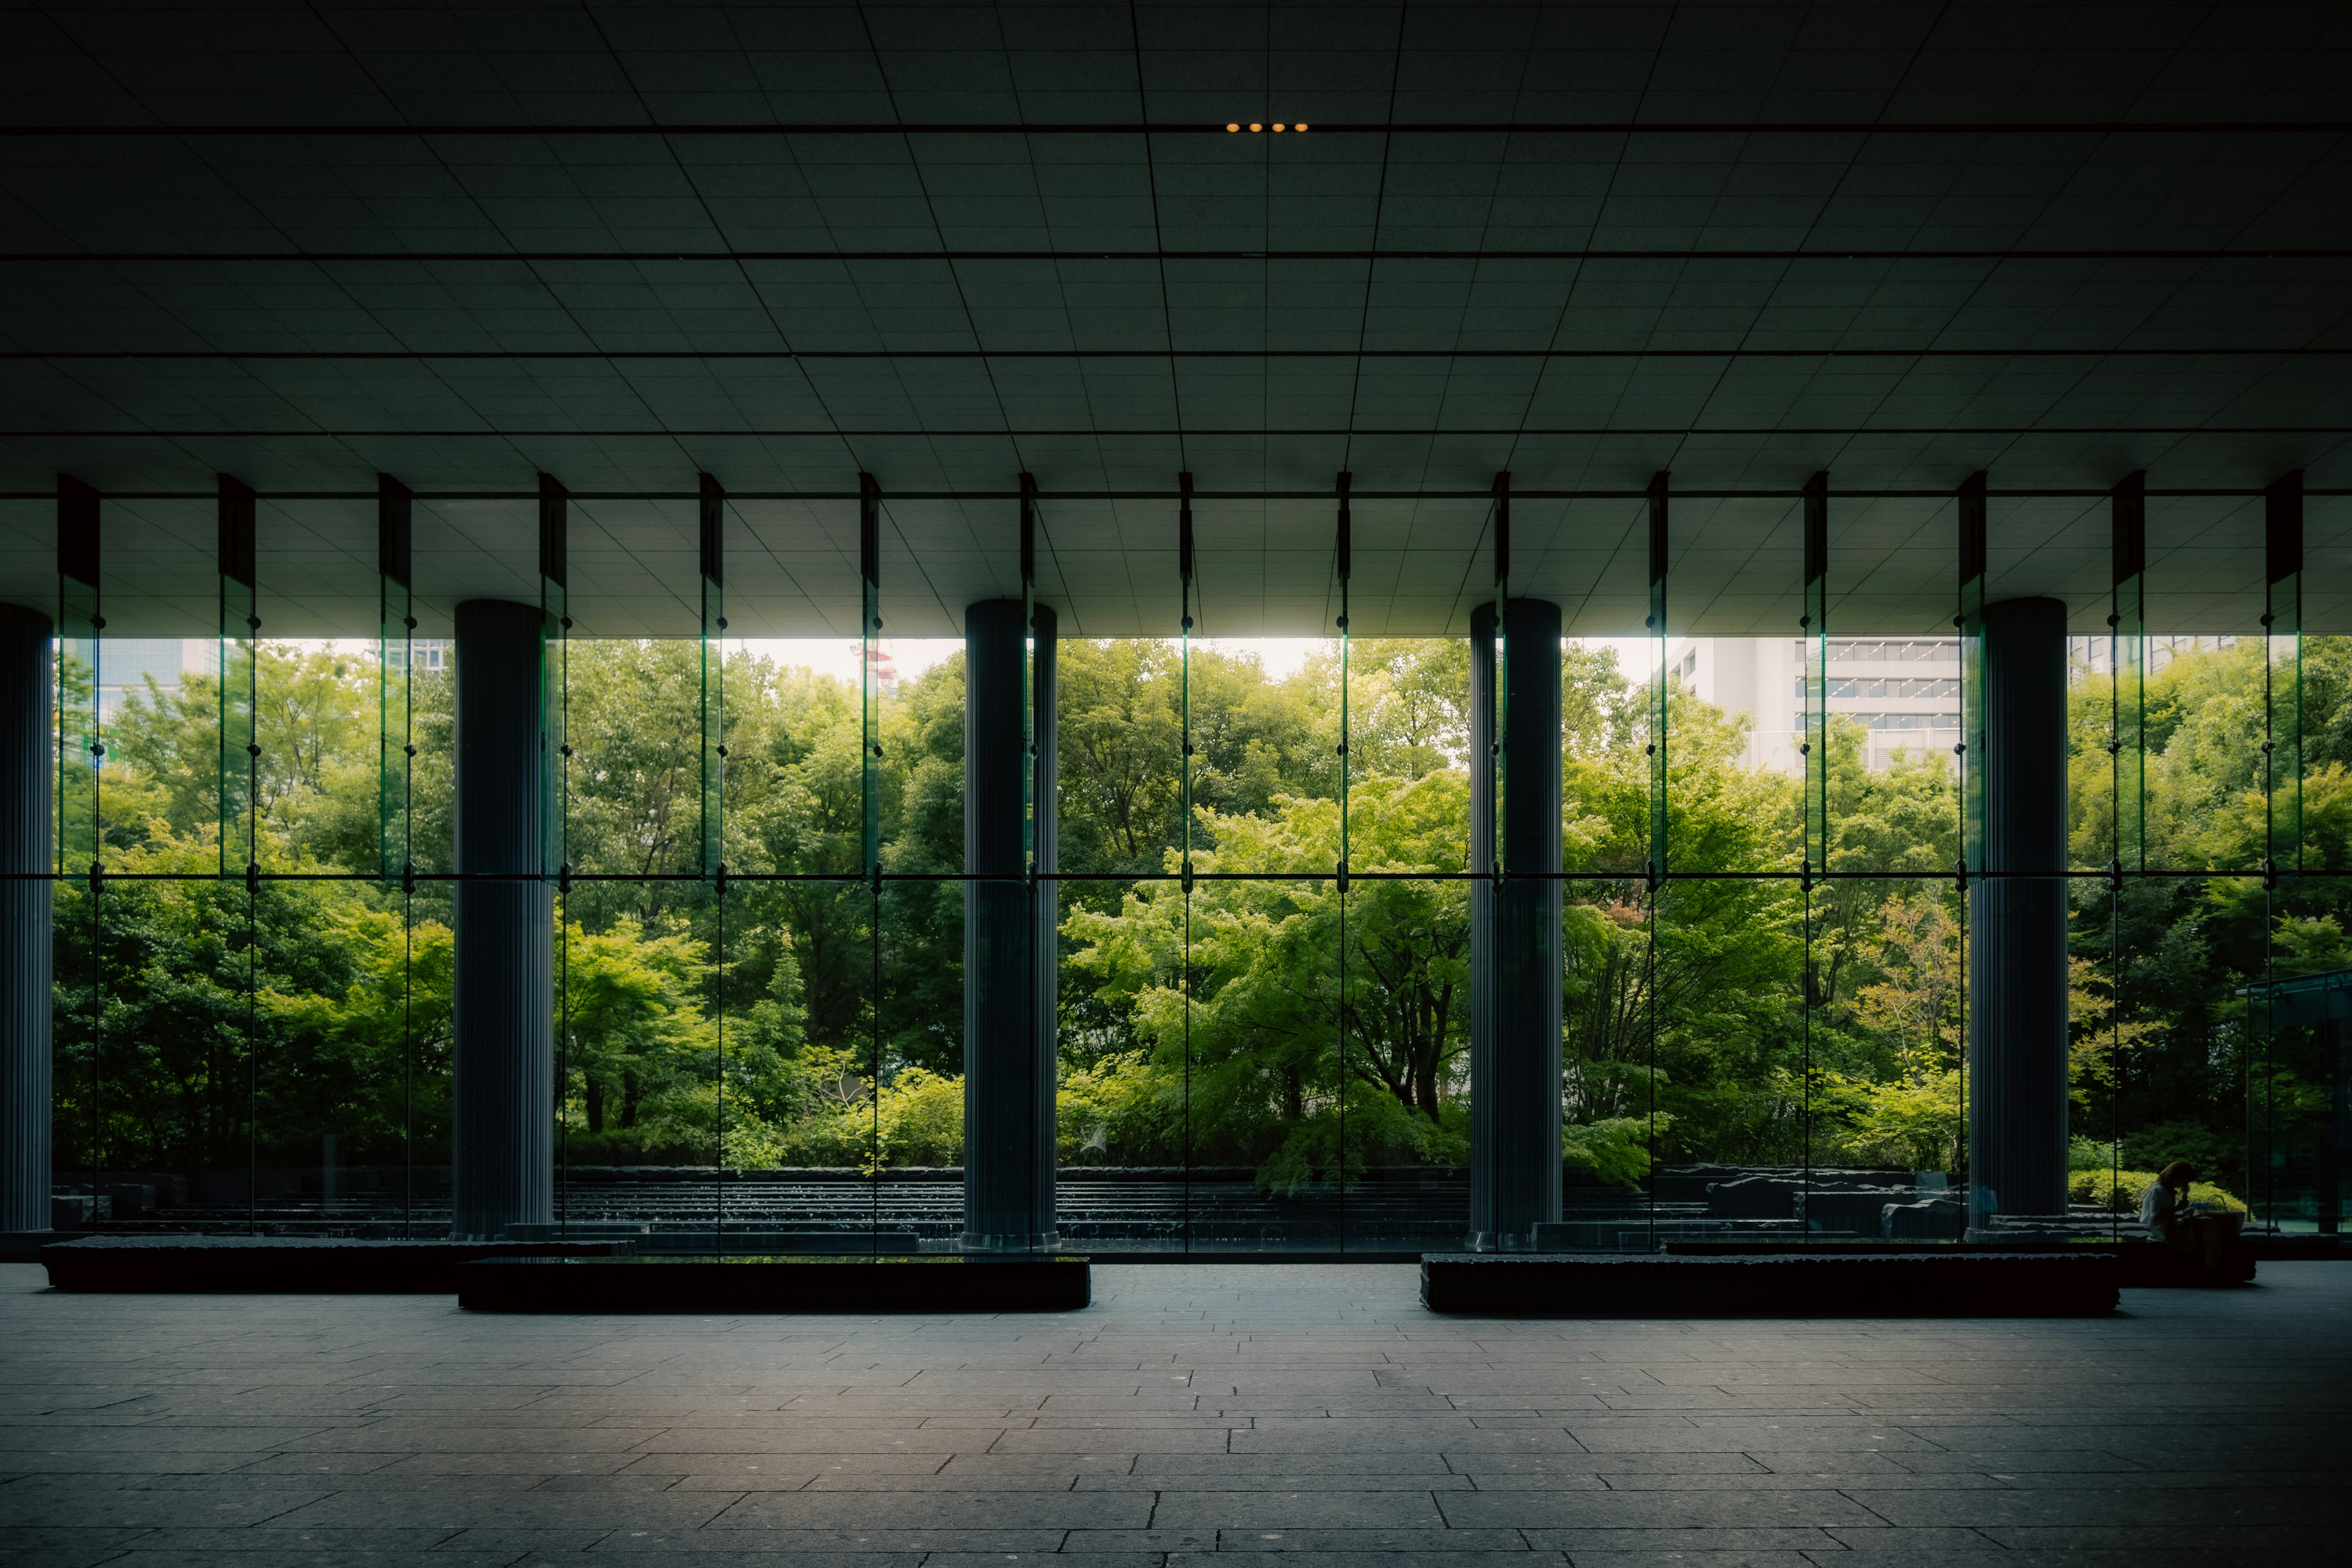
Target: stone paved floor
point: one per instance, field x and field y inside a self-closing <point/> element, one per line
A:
<point x="1309" y="1410"/>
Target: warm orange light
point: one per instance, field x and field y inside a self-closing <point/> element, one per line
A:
<point x="1279" y="126"/>
<point x="1300" y="126"/>
<point x="1255" y="126"/>
<point x="1232" y="127"/>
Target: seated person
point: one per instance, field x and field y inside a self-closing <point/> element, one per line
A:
<point x="2166" y="1214"/>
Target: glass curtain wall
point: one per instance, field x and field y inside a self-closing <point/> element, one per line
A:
<point x="1261" y="891"/>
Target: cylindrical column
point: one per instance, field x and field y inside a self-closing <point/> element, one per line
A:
<point x="27" y="761"/>
<point x="1515" y="938"/>
<point x="2017" y="921"/>
<point x="503" y="1072"/>
<point x="1009" y="936"/>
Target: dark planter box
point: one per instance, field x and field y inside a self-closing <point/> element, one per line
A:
<point x="2139" y="1265"/>
<point x="775" y="1284"/>
<point x="289" y="1265"/>
<point x="1814" y="1284"/>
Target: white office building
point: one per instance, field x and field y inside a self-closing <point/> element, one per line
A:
<point x="1905" y="691"/>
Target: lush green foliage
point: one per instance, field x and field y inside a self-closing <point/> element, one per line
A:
<point x="1272" y="1020"/>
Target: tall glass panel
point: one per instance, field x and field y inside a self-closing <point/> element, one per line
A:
<point x="1885" y="966"/>
<point x="636" y="1005"/>
<point x="426" y="687"/>
<point x="331" y="949"/>
<point x="1609" y="710"/>
<point x="2294" y="1120"/>
<point x="77" y="900"/>
<point x="800" y="977"/>
<point x="915" y="1046"/>
<point x="1404" y="942"/>
<point x="2180" y="1045"/>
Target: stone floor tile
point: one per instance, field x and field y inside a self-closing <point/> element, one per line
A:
<point x="1652" y="1509"/>
<point x="1372" y="1545"/>
<point x="1194" y="1411"/>
<point x="799" y="1548"/>
<point x="1247" y="1511"/>
<point x="1581" y="1544"/>
<point x="940" y="1510"/>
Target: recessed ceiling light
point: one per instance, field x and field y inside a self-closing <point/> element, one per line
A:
<point x="1278" y="125"/>
<point x="1255" y="126"/>
<point x="1232" y="127"/>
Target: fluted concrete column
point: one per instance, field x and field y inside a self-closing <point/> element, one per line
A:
<point x="504" y="1070"/>
<point x="26" y="788"/>
<point x="2017" y="921"/>
<point x="1008" y="938"/>
<point x="1514" y="940"/>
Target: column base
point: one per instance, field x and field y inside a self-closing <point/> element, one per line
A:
<point x="1501" y="1241"/>
<point x="1014" y="1246"/>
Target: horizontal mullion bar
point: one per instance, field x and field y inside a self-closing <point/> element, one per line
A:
<point x="688" y="877"/>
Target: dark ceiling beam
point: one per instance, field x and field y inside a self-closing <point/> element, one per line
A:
<point x="2029" y="492"/>
<point x="1915" y="351"/>
<point x="1020" y="131"/>
<point x="1173" y="432"/>
<point x="655" y="257"/>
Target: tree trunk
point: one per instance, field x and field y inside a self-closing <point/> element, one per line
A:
<point x="1424" y="1080"/>
<point x="596" y="1103"/>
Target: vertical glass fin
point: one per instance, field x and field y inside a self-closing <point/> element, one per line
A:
<point x="2282" y="628"/>
<point x="1029" y="677"/>
<point x="240" y="625"/>
<point x="1184" y="799"/>
<point x="1969" y="622"/>
<point x="1656" y="627"/>
<point x="554" y="606"/>
<point x="1495" y="760"/>
<point x="869" y="688"/>
<point x="712" y="537"/>
<point x="1343" y="560"/>
<point x="2127" y="657"/>
<point x="1816" y="625"/>
<point x="395" y="705"/>
<point x="80" y="741"/>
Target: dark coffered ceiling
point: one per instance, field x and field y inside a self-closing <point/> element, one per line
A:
<point x="946" y="245"/>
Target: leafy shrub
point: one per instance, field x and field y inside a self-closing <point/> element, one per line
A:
<point x="1615" y="1150"/>
<point x="2118" y="1192"/>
